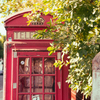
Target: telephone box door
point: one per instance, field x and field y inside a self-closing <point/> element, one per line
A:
<point x="36" y="78"/>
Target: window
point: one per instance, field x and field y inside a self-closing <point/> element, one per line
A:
<point x="36" y="78"/>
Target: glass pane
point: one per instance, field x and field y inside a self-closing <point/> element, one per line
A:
<point x="37" y="84"/>
<point x="49" y="83"/>
<point x="24" y="84"/>
<point x="49" y="97"/>
<point x="24" y="97"/>
<point x="37" y="97"/>
<point x="37" y="66"/>
<point x="48" y="66"/>
<point x="24" y="65"/>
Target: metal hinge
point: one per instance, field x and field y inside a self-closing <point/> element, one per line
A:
<point x="14" y="85"/>
<point x="15" y="54"/>
<point x="59" y="85"/>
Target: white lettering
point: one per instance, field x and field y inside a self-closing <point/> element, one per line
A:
<point x="15" y="37"/>
<point x="27" y="35"/>
<point x="32" y="33"/>
<point x="23" y="35"/>
<point x="18" y="35"/>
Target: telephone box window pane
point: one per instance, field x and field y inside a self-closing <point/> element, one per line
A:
<point x="49" y="97"/>
<point x="24" y="97"/>
<point x="24" y="65"/>
<point x="37" y="97"/>
<point x="48" y="66"/>
<point x="37" y="66"/>
<point x="24" y="84"/>
<point x="49" y="84"/>
<point x="37" y="84"/>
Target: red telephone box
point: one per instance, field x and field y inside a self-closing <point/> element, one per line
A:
<point x="29" y="73"/>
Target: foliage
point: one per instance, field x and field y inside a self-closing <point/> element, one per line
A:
<point x="75" y="28"/>
<point x="10" y="6"/>
<point x="2" y="39"/>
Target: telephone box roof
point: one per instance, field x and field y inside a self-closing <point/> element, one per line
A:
<point x="17" y="20"/>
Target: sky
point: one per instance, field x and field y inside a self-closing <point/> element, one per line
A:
<point x="2" y="29"/>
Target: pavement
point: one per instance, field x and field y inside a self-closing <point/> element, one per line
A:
<point x="1" y="87"/>
<point x="1" y="72"/>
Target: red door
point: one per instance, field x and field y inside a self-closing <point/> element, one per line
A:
<point x="36" y="78"/>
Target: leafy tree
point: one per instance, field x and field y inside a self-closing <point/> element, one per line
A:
<point x="2" y="39"/>
<point x="75" y="29"/>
